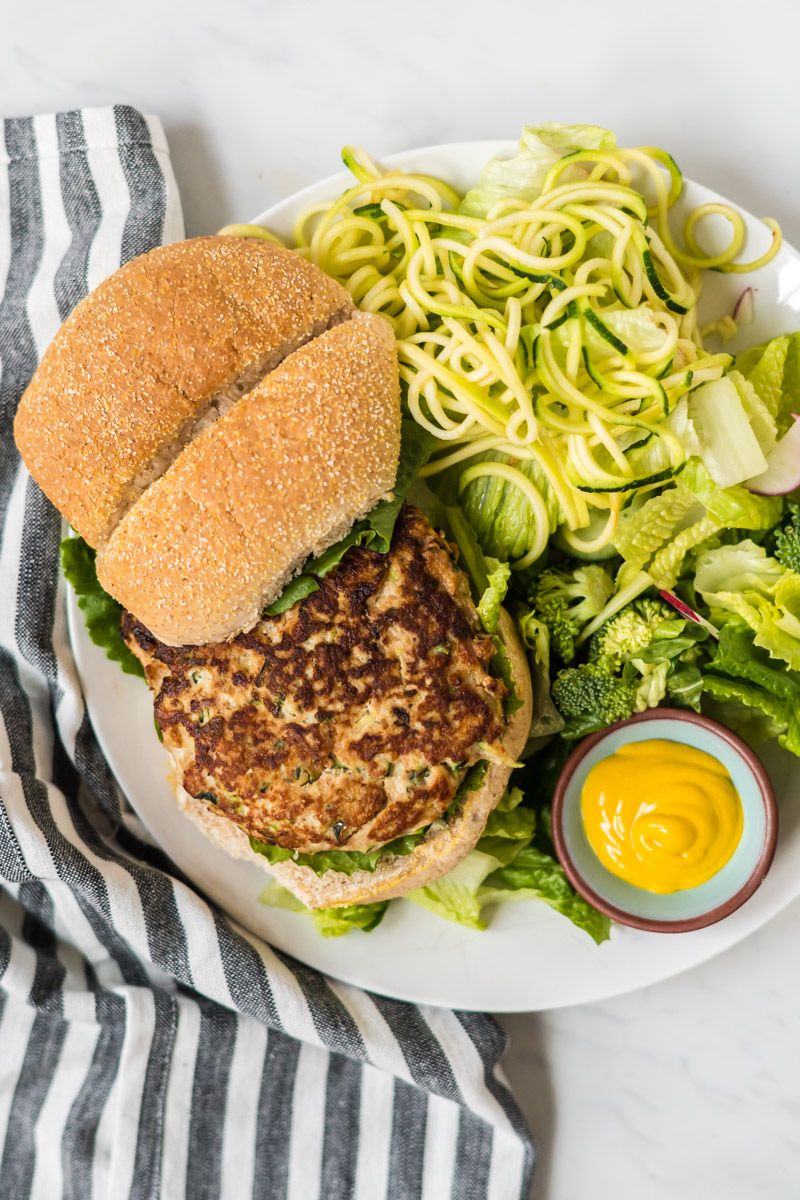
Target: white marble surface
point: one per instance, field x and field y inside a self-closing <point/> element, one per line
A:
<point x="690" y="1088"/>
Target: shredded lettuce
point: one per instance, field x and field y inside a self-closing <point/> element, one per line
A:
<point x="101" y="613"/>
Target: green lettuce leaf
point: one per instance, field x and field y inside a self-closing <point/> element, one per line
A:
<point x="773" y="369"/>
<point x="521" y="176"/>
<point x="728" y="443"/>
<point x="498" y="511"/>
<point x="766" y="377"/>
<point x="644" y="530"/>
<point x="374" y="532"/>
<point x="511" y="819"/>
<point x="733" y="507"/>
<point x="101" y="613"/>
<point x="742" y="677"/>
<point x="489" y="580"/>
<point x="494" y="593"/>
<point x="345" y="861"/>
<point x="759" y="414"/>
<point x="330" y="922"/>
<point x="336" y="922"/>
<point x="455" y="896"/>
<point x="533" y="874"/>
<point x="296" y="590"/>
<point x="504" y="866"/>
<point x="547" y="720"/>
<point x="742" y="579"/>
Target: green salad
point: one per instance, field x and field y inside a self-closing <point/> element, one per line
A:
<point x="626" y="488"/>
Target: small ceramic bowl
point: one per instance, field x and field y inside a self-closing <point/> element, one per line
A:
<point x="693" y="908"/>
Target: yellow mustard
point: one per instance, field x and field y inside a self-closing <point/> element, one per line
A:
<point x="661" y="815"/>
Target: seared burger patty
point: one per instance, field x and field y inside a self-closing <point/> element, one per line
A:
<point x="347" y="721"/>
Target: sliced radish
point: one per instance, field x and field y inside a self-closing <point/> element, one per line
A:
<point x="687" y="611"/>
<point x="744" y="307"/>
<point x="783" y="465"/>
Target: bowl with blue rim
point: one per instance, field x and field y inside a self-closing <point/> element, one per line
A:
<point x="693" y="907"/>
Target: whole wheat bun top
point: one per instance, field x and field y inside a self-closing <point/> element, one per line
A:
<point x="142" y="357"/>
<point x="283" y="475"/>
<point x="211" y="415"/>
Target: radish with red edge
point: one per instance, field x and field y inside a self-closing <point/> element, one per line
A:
<point x="783" y="465"/>
<point x="744" y="307"/>
<point x="687" y="611"/>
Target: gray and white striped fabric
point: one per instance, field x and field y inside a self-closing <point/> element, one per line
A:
<point x="148" y="1046"/>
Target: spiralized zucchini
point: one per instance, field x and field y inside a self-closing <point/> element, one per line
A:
<point x="561" y="330"/>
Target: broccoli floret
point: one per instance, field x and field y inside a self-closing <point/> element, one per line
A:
<point x="567" y="601"/>
<point x="631" y="631"/>
<point x="589" y="697"/>
<point x="787" y="540"/>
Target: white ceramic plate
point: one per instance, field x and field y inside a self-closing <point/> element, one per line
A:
<point x="530" y="958"/>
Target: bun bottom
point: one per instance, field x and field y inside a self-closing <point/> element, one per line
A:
<point x="439" y="853"/>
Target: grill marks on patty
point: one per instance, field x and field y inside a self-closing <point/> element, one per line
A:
<point x="347" y="721"/>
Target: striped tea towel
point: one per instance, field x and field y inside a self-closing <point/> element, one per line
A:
<point x="148" y="1046"/>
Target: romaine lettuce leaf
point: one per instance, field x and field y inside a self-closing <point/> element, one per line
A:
<point x="742" y="579"/>
<point x="773" y="369"/>
<point x="729" y="446"/>
<point x="498" y="511"/>
<point x="733" y="507"/>
<point x="455" y="896"/>
<point x="742" y="675"/>
<point x="521" y="176"/>
<point x="330" y="922"/>
<point x="767" y="375"/>
<point x="534" y="875"/>
<point x="100" y="612"/>
<point x="494" y="593"/>
<point x="335" y="922"/>
<point x="505" y="866"/>
<point x="759" y="414"/>
<point x="374" y="532"/>
<point x="547" y="720"/>
<point x="643" y="531"/>
<point x="346" y="861"/>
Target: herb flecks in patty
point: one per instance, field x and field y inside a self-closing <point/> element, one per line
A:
<point x="338" y="723"/>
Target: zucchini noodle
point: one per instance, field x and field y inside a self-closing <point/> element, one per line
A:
<point x="560" y="332"/>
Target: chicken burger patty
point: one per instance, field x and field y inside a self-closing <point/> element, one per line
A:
<point x="347" y="721"/>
